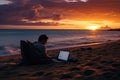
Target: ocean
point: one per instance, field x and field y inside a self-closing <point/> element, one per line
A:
<point x="10" y="39"/>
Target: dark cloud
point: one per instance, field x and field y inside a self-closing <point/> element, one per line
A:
<point x="34" y="10"/>
<point x="26" y="9"/>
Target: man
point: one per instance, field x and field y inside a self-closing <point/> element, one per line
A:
<point x="40" y="45"/>
<point x="35" y="53"/>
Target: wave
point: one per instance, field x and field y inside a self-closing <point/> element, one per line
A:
<point x="13" y="50"/>
<point x="9" y="50"/>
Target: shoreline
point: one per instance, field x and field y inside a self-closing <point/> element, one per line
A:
<point x="74" y="46"/>
<point x="66" y="47"/>
<point x="69" y="48"/>
<point x="16" y="50"/>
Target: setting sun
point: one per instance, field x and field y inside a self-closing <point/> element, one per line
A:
<point x="93" y="27"/>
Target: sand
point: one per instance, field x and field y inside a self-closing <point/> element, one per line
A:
<point x="95" y="62"/>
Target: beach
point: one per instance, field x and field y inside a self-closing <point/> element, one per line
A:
<point x="95" y="62"/>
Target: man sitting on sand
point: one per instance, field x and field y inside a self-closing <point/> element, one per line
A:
<point x="35" y="53"/>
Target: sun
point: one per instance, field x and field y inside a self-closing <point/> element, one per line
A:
<point x="93" y="27"/>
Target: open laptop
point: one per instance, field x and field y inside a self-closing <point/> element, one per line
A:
<point x="62" y="56"/>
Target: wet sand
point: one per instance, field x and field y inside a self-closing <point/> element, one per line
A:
<point x="95" y="62"/>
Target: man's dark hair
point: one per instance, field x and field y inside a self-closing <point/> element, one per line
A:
<point x="43" y="37"/>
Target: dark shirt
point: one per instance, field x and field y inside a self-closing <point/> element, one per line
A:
<point x="41" y="48"/>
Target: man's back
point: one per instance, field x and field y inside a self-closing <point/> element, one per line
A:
<point x="41" y="48"/>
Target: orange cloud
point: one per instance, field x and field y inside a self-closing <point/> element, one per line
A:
<point x="35" y="12"/>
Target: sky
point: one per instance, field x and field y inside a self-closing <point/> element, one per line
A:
<point x="59" y="14"/>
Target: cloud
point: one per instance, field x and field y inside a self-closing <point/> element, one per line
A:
<point x="38" y="10"/>
<point x="26" y="9"/>
<point x="71" y="0"/>
<point x="76" y="0"/>
<point x="84" y="0"/>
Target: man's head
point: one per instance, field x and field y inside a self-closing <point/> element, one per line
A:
<point x="43" y="39"/>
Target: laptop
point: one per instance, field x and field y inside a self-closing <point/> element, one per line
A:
<point x="62" y="56"/>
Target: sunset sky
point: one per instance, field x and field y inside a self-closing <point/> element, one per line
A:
<point x="59" y="14"/>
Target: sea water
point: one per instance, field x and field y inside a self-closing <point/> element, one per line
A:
<point x="10" y="39"/>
